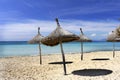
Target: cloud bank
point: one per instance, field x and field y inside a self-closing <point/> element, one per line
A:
<point x="19" y="31"/>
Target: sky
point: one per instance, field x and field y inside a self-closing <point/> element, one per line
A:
<point x="19" y="19"/>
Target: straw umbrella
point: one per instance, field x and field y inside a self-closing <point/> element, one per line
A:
<point x="117" y="38"/>
<point x="114" y="37"/>
<point x="58" y="36"/>
<point x="37" y="39"/>
<point x="82" y="39"/>
<point x="111" y="38"/>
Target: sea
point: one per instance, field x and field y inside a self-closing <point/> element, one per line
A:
<point x="22" y="48"/>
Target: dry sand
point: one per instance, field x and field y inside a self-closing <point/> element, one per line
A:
<point x="103" y="67"/>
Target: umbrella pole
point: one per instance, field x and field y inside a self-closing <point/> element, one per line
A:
<point x="81" y="50"/>
<point x="40" y="53"/>
<point x="113" y="49"/>
<point x="63" y="56"/>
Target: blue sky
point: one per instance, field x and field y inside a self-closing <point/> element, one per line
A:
<point x="19" y="19"/>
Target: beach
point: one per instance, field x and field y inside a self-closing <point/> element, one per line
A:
<point x="95" y="66"/>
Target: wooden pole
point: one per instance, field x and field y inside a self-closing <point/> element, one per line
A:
<point x="40" y="53"/>
<point x="40" y="47"/>
<point x="81" y="45"/>
<point x="57" y="22"/>
<point x="113" y="49"/>
<point x="81" y="50"/>
<point x="81" y="31"/>
<point x="63" y="57"/>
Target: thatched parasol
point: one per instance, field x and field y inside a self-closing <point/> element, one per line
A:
<point x="58" y="36"/>
<point x="82" y="39"/>
<point x="114" y="37"/>
<point x="111" y="38"/>
<point x="37" y="39"/>
<point x="118" y="31"/>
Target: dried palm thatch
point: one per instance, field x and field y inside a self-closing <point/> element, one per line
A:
<point x="118" y="31"/>
<point x="37" y="39"/>
<point x="58" y="36"/>
<point x="111" y="37"/>
<point x="114" y="36"/>
<point x="82" y="39"/>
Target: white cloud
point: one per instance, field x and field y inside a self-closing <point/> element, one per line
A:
<point x="28" y="29"/>
<point x="93" y="34"/>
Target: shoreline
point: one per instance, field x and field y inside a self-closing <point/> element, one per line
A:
<point x="56" y="54"/>
<point x="101" y="64"/>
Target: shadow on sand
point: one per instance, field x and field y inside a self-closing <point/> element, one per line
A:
<point x="69" y="62"/>
<point x="100" y="59"/>
<point x="92" y="72"/>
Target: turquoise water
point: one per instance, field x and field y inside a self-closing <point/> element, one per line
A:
<point x="24" y="49"/>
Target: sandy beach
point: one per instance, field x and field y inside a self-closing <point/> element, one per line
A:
<point x="95" y="66"/>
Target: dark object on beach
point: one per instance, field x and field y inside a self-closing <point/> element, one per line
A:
<point x="92" y="72"/>
<point x="100" y="59"/>
<point x="82" y="39"/>
<point x="69" y="62"/>
<point x="114" y="37"/>
<point x="58" y="36"/>
<point x="37" y="39"/>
